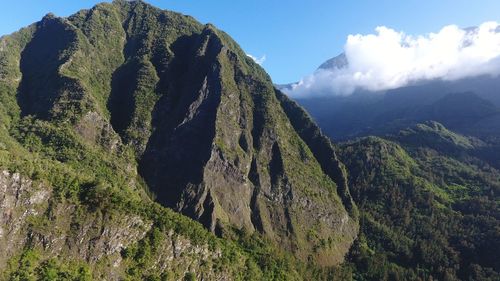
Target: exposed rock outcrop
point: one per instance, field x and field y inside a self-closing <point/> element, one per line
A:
<point x="209" y="135"/>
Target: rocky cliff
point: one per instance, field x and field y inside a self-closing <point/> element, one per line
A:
<point x="129" y="100"/>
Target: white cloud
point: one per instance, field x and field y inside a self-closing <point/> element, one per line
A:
<point x="259" y="61"/>
<point x="391" y="59"/>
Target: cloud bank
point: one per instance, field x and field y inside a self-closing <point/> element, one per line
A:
<point x="390" y="59"/>
<point x="259" y="61"/>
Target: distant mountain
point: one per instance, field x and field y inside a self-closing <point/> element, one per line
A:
<point x="337" y="62"/>
<point x="473" y="110"/>
<point x="470" y="106"/>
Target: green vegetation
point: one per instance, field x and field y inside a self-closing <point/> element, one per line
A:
<point x="30" y="266"/>
<point x="429" y="207"/>
<point x="104" y="110"/>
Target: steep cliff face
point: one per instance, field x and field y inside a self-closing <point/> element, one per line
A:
<point x="223" y="151"/>
<point x="144" y="99"/>
<point x="35" y="228"/>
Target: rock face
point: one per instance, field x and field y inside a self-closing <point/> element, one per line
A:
<point x="19" y="201"/>
<point x="210" y="136"/>
<point x="30" y="218"/>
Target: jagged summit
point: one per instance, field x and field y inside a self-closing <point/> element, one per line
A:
<point x="180" y="103"/>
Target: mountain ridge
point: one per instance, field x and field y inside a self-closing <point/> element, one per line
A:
<point x="421" y="193"/>
<point x="174" y="110"/>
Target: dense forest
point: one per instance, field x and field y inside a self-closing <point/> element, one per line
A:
<point x="429" y="206"/>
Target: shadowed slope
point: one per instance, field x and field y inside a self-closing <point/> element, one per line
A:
<point x="156" y="93"/>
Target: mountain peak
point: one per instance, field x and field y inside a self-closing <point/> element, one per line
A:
<point x="337" y="62"/>
<point x="202" y="124"/>
<point x="49" y="16"/>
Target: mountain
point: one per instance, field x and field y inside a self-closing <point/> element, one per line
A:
<point x="139" y="144"/>
<point x="470" y="106"/>
<point x="429" y="206"/>
<point x="105" y="110"/>
<point x="337" y="62"/>
<point x="423" y="168"/>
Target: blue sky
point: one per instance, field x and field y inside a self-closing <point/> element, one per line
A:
<point x="295" y="36"/>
